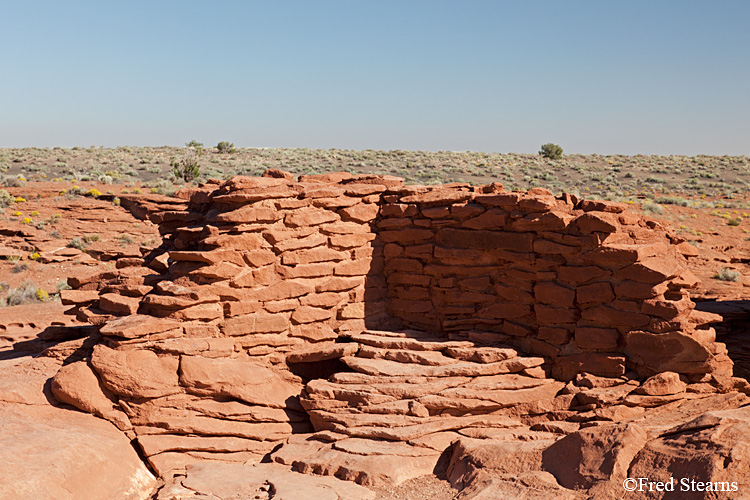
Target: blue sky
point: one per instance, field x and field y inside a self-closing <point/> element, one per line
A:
<point x="650" y="77"/>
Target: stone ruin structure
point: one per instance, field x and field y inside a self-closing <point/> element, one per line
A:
<point x="359" y="327"/>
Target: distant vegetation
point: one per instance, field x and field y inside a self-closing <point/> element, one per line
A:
<point x="551" y="151"/>
<point x="188" y="167"/>
<point x="662" y="179"/>
<point x="225" y="147"/>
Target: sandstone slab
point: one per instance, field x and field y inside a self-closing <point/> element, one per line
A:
<point x="50" y="452"/>
<point x="239" y="378"/>
<point x="136" y="373"/>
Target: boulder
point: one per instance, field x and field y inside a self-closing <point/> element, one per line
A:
<point x="137" y="373"/>
<point x="663" y="384"/>
<point x="711" y="451"/>
<point x="595" y="454"/>
<point x="53" y="452"/>
<point x="239" y="378"/>
<point x="76" y="384"/>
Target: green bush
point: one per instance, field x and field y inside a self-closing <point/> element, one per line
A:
<point x="551" y="151"/>
<point x="194" y="144"/>
<point x="10" y="181"/>
<point x="225" y="147"/>
<point x="188" y="167"/>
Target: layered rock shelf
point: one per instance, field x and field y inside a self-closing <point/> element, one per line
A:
<point x="353" y="326"/>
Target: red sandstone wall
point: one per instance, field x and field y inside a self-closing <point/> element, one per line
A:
<point x="265" y="256"/>
<point x="590" y="285"/>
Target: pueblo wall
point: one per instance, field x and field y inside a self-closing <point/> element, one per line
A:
<point x="587" y="284"/>
<point x="219" y="344"/>
<point x="283" y="257"/>
<point x="590" y="286"/>
<point x="257" y="256"/>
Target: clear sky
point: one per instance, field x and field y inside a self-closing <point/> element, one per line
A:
<point x="651" y="77"/>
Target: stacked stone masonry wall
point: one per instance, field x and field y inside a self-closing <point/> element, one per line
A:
<point x="589" y="285"/>
<point x="384" y="317"/>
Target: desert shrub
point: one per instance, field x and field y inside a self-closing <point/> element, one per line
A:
<point x="726" y="274"/>
<point x="19" y="268"/>
<point x="672" y="200"/>
<point x="653" y="208"/>
<point x="77" y="243"/>
<point x="194" y="144"/>
<point x="188" y="167"/>
<point x="654" y="180"/>
<point x="551" y="151"/>
<point x="163" y="186"/>
<point x="734" y="222"/>
<point x="63" y="285"/>
<point x="225" y="147"/>
<point x="90" y="238"/>
<point x="10" y="181"/>
<point x="5" y="198"/>
<point x="94" y="193"/>
<point x="25" y="293"/>
<point x="125" y="239"/>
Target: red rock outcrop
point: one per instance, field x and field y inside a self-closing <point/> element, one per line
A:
<point x="49" y="451"/>
<point x="373" y="329"/>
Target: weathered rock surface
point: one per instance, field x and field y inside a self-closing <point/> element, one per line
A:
<point x="365" y="461"/>
<point x="77" y="384"/>
<point x="238" y="378"/>
<point x="220" y="481"/>
<point x="51" y="452"/>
